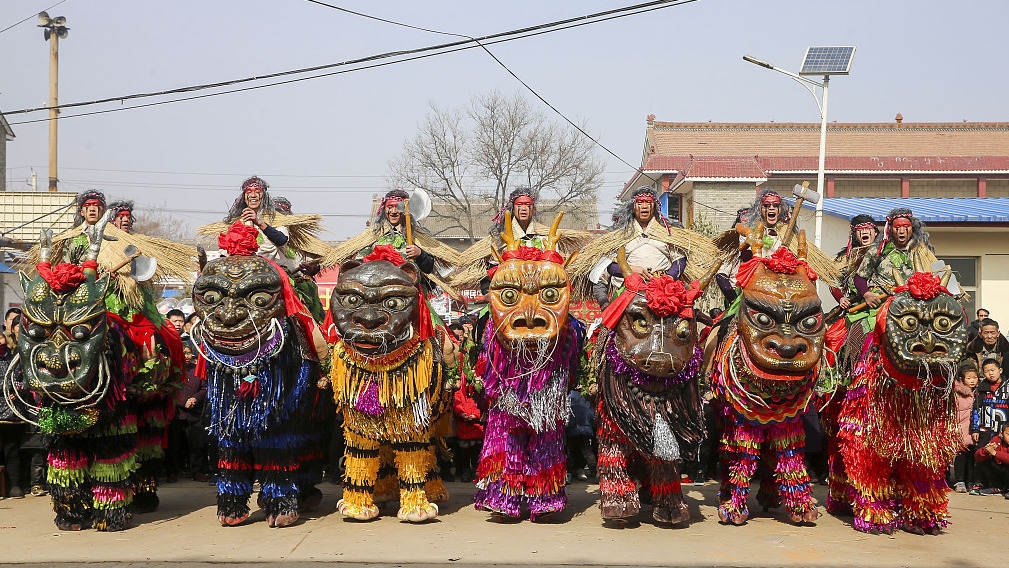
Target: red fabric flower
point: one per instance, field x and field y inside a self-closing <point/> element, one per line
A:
<point x="925" y="285"/>
<point x="665" y="295"/>
<point x="385" y="252"/>
<point x="783" y="261"/>
<point x="62" y="278"/>
<point x="240" y="240"/>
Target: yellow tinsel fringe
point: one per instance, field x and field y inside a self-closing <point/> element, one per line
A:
<point x="398" y="387"/>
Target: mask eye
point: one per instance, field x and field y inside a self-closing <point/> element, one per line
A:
<point x="394" y="303"/>
<point x="80" y="332"/>
<point x="212" y="296"/>
<point x="508" y="296"/>
<point x="639" y="324"/>
<point x="352" y="301"/>
<point x="550" y="295"/>
<point x="942" y="324"/>
<point x="908" y="322"/>
<point x="810" y="323"/>
<point x="36" y="332"/>
<point x="683" y="329"/>
<point x="261" y="299"/>
<point x="761" y="319"/>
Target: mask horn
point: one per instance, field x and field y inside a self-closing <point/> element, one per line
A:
<point x="706" y="279"/>
<point x="625" y="267"/>
<point x="96" y="234"/>
<point x="507" y="236"/>
<point x="898" y="278"/>
<point x="45" y="245"/>
<point x="553" y="238"/>
<point x="800" y="245"/>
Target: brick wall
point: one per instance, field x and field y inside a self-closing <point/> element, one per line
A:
<point x="998" y="187"/>
<point x="719" y="201"/>
<point x="867" y="187"/>
<point x="944" y="187"/>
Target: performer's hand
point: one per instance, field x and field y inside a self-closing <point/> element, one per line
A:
<point x="845" y="303"/>
<point x="593" y="389"/>
<point x="412" y="251"/>
<point x="249" y="215"/>
<point x="308" y="268"/>
<point x="975" y="437"/>
<point x="190" y="402"/>
<point x="641" y="270"/>
<point x="873" y="299"/>
<point x="991" y="447"/>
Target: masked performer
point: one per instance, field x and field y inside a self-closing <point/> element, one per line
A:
<point x="778" y="224"/>
<point x="121" y="215"/>
<point x="260" y="352"/>
<point x="527" y="232"/>
<point x="529" y="360"/>
<point x="764" y="375"/>
<point x="898" y="425"/>
<point x="289" y="241"/>
<point x="653" y="245"/>
<point x="904" y="248"/>
<point x="104" y="379"/>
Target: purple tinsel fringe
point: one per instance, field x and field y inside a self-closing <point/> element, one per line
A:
<point x="622" y="367"/>
<point x="504" y="368"/>
<point x="368" y="401"/>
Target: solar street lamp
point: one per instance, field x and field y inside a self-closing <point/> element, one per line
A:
<point x="824" y="61"/>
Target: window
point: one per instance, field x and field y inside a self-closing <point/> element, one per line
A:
<point x="965" y="269"/>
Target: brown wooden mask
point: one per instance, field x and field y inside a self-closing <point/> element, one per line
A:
<point x="374" y="305"/>
<point x="529" y="291"/>
<point x="780" y="318"/>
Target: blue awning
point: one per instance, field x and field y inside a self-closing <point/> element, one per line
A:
<point x="4" y="269"/>
<point x="978" y="210"/>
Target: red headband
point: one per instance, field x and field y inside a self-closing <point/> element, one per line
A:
<point x="254" y="186"/>
<point x="901" y="222"/>
<point x="123" y="213"/>
<point x="644" y="197"/>
<point x="524" y="200"/>
<point x="88" y="202"/>
<point x="771" y="198"/>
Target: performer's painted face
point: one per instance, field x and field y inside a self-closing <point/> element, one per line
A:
<point x="781" y="322"/>
<point x="901" y="231"/>
<point x="92" y="211"/>
<point x="392" y="213"/>
<point x="124" y="221"/>
<point x="655" y="345"/>
<point x="63" y="336"/>
<point x="924" y="334"/>
<point x="254" y="198"/>
<point x="236" y="298"/>
<point x="643" y="210"/>
<point x="529" y="301"/>
<point x="770" y="210"/>
<point x="523" y="209"/>
<point x="866" y="235"/>
<point x="374" y="305"/>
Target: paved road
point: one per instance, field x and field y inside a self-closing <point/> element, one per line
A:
<point x="185" y="530"/>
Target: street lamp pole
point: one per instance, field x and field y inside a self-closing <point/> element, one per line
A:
<point x="822" y="107"/>
<point x="53" y="30"/>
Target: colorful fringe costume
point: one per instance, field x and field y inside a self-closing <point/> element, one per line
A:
<point x="388" y="402"/>
<point x="897" y="426"/>
<point x="523" y="461"/>
<point x="764" y="373"/>
<point x="262" y="389"/>
<point x="100" y="393"/>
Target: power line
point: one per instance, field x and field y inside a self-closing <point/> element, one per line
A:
<point x="32" y="16"/>
<point x="440" y="49"/>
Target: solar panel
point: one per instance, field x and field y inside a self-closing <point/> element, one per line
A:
<point x="827" y="60"/>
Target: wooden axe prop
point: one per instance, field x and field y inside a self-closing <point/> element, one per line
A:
<point x="802" y="193"/>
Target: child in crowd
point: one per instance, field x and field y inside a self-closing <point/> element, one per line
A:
<point x="964" y="390"/>
<point x="993" y="464"/>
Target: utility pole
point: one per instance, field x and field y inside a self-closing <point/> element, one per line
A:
<point x="54" y="29"/>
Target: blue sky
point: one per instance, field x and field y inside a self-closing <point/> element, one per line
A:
<point x="326" y="143"/>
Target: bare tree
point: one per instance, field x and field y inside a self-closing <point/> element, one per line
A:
<point x="158" y="222"/>
<point x="470" y="159"/>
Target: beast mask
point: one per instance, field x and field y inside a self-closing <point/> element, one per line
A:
<point x="924" y="328"/>
<point x="780" y="320"/>
<point x="374" y="304"/>
<point x="240" y="301"/>
<point x="529" y="291"/>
